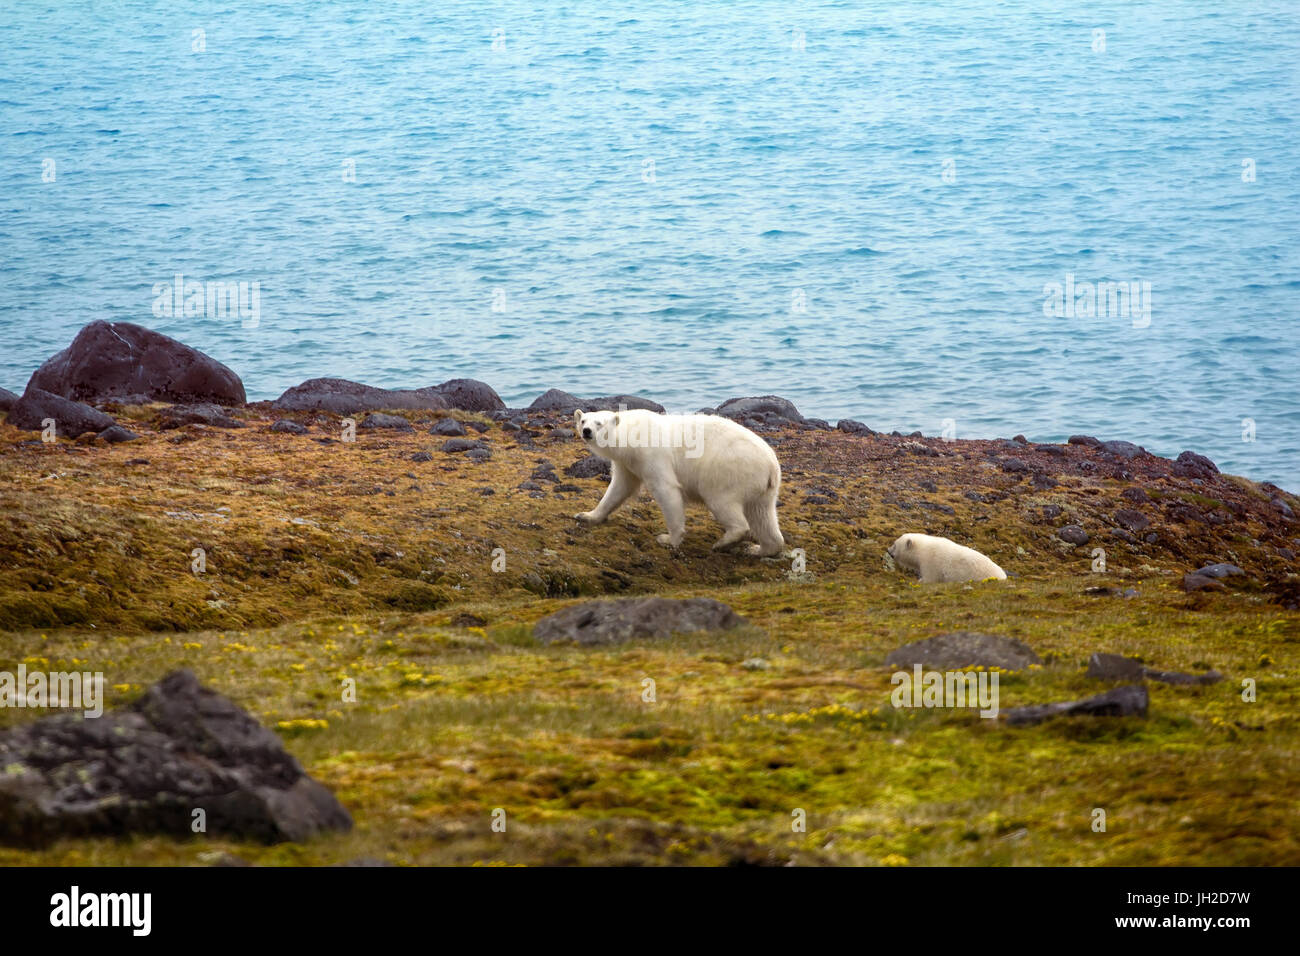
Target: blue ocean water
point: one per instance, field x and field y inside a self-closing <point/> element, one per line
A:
<point x="857" y="206"/>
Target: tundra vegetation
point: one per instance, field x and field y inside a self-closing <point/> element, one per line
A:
<point x="420" y="578"/>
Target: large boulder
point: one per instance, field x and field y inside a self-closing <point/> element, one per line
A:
<point x="608" y="622"/>
<point x="7" y="399"/>
<point x="959" y="650"/>
<point x="763" y="407"/>
<point x="120" y="360"/>
<point x="562" y="403"/>
<point x="470" y="395"/>
<point x="70" y="418"/>
<point x="146" y="769"/>
<point x="343" y="397"/>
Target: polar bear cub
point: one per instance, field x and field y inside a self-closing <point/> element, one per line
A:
<point x="688" y="459"/>
<point x="936" y="560"/>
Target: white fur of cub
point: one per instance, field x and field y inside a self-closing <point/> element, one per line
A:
<point x="695" y="459"/>
<point x="936" y="560"/>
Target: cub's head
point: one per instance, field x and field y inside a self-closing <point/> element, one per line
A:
<point x="596" y="429"/>
<point x="904" y="551"/>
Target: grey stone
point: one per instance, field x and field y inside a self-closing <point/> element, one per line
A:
<point x="1130" y="700"/>
<point x="116" y="433"/>
<point x="343" y="397"/>
<point x="1073" y="534"/>
<point x="145" y="768"/>
<point x="71" y="418"/>
<point x="289" y="427"/>
<point x="380" y="420"/>
<point x="447" y="426"/>
<point x="1116" y="667"/>
<point x="962" y="649"/>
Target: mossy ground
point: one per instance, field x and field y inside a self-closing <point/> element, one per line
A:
<point x="350" y="560"/>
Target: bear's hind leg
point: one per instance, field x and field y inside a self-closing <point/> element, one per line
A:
<point x="763" y="525"/>
<point x="731" y="515"/>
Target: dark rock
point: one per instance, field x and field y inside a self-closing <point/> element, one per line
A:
<point x="1201" y="582"/>
<point x="478" y="454"/>
<point x="1073" y="534"/>
<point x="562" y="403"/>
<point x="741" y="408"/>
<point x="566" y="488"/>
<point x="1043" y="482"/>
<point x="818" y="423"/>
<point x="119" y="360"/>
<point x="479" y="427"/>
<point x="116" y="433"/>
<point x="562" y="434"/>
<point x="421" y="456"/>
<point x="1135" y="495"/>
<point x="380" y="420"/>
<point x="853" y="427"/>
<point x="529" y="486"/>
<point x="1122" y="449"/>
<point x="144" y="769"/>
<point x="593" y="466"/>
<point x="447" y="426"/>
<point x="7" y="399"/>
<point x="608" y="622"/>
<point x="470" y="395"/>
<point x="1106" y="591"/>
<point x="925" y="484"/>
<point x="963" y="649"/>
<point x="1021" y="439"/>
<point x="453" y="445"/>
<point x="1191" y="465"/>
<point x="1221" y="570"/>
<point x="1123" y="535"/>
<point x="203" y="413"/>
<point x="1281" y="505"/>
<point x="1132" y="520"/>
<point x="290" y="427"/>
<point x="820" y="500"/>
<point x="1129" y="701"/>
<point x="343" y="397"/>
<point x="1015" y="465"/>
<point x="1117" y="667"/>
<point x="511" y="426"/>
<point x="71" y="418"/>
<point x="1087" y="440"/>
<point x="1052" y="512"/>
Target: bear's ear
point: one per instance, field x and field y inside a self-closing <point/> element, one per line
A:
<point x="615" y="421"/>
<point x="577" y="417"/>
<point x="908" y="544"/>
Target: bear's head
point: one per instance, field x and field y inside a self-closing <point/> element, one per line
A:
<point x="903" y="551"/>
<point x="598" y="430"/>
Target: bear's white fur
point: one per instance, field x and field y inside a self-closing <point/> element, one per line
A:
<point x="936" y="560"/>
<point x="696" y="459"/>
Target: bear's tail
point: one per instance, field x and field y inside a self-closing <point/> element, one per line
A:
<point x="760" y="512"/>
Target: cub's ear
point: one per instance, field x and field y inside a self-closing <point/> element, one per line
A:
<point x="577" y="416"/>
<point x="908" y="544"/>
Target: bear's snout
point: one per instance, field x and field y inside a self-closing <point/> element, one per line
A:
<point x="586" y="433"/>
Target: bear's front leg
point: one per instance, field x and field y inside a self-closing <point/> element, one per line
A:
<point x="669" y="496"/>
<point x="622" y="486"/>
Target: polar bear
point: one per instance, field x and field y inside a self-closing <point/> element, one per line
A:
<point x="936" y="560"/>
<point x="696" y="459"/>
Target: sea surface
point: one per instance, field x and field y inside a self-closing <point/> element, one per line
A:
<point x="858" y="206"/>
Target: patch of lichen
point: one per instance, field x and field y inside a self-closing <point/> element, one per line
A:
<point x="317" y="576"/>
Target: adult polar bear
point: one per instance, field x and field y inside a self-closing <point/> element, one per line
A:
<point x="696" y="459"/>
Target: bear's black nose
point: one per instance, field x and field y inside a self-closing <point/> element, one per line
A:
<point x="586" y="433"/>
